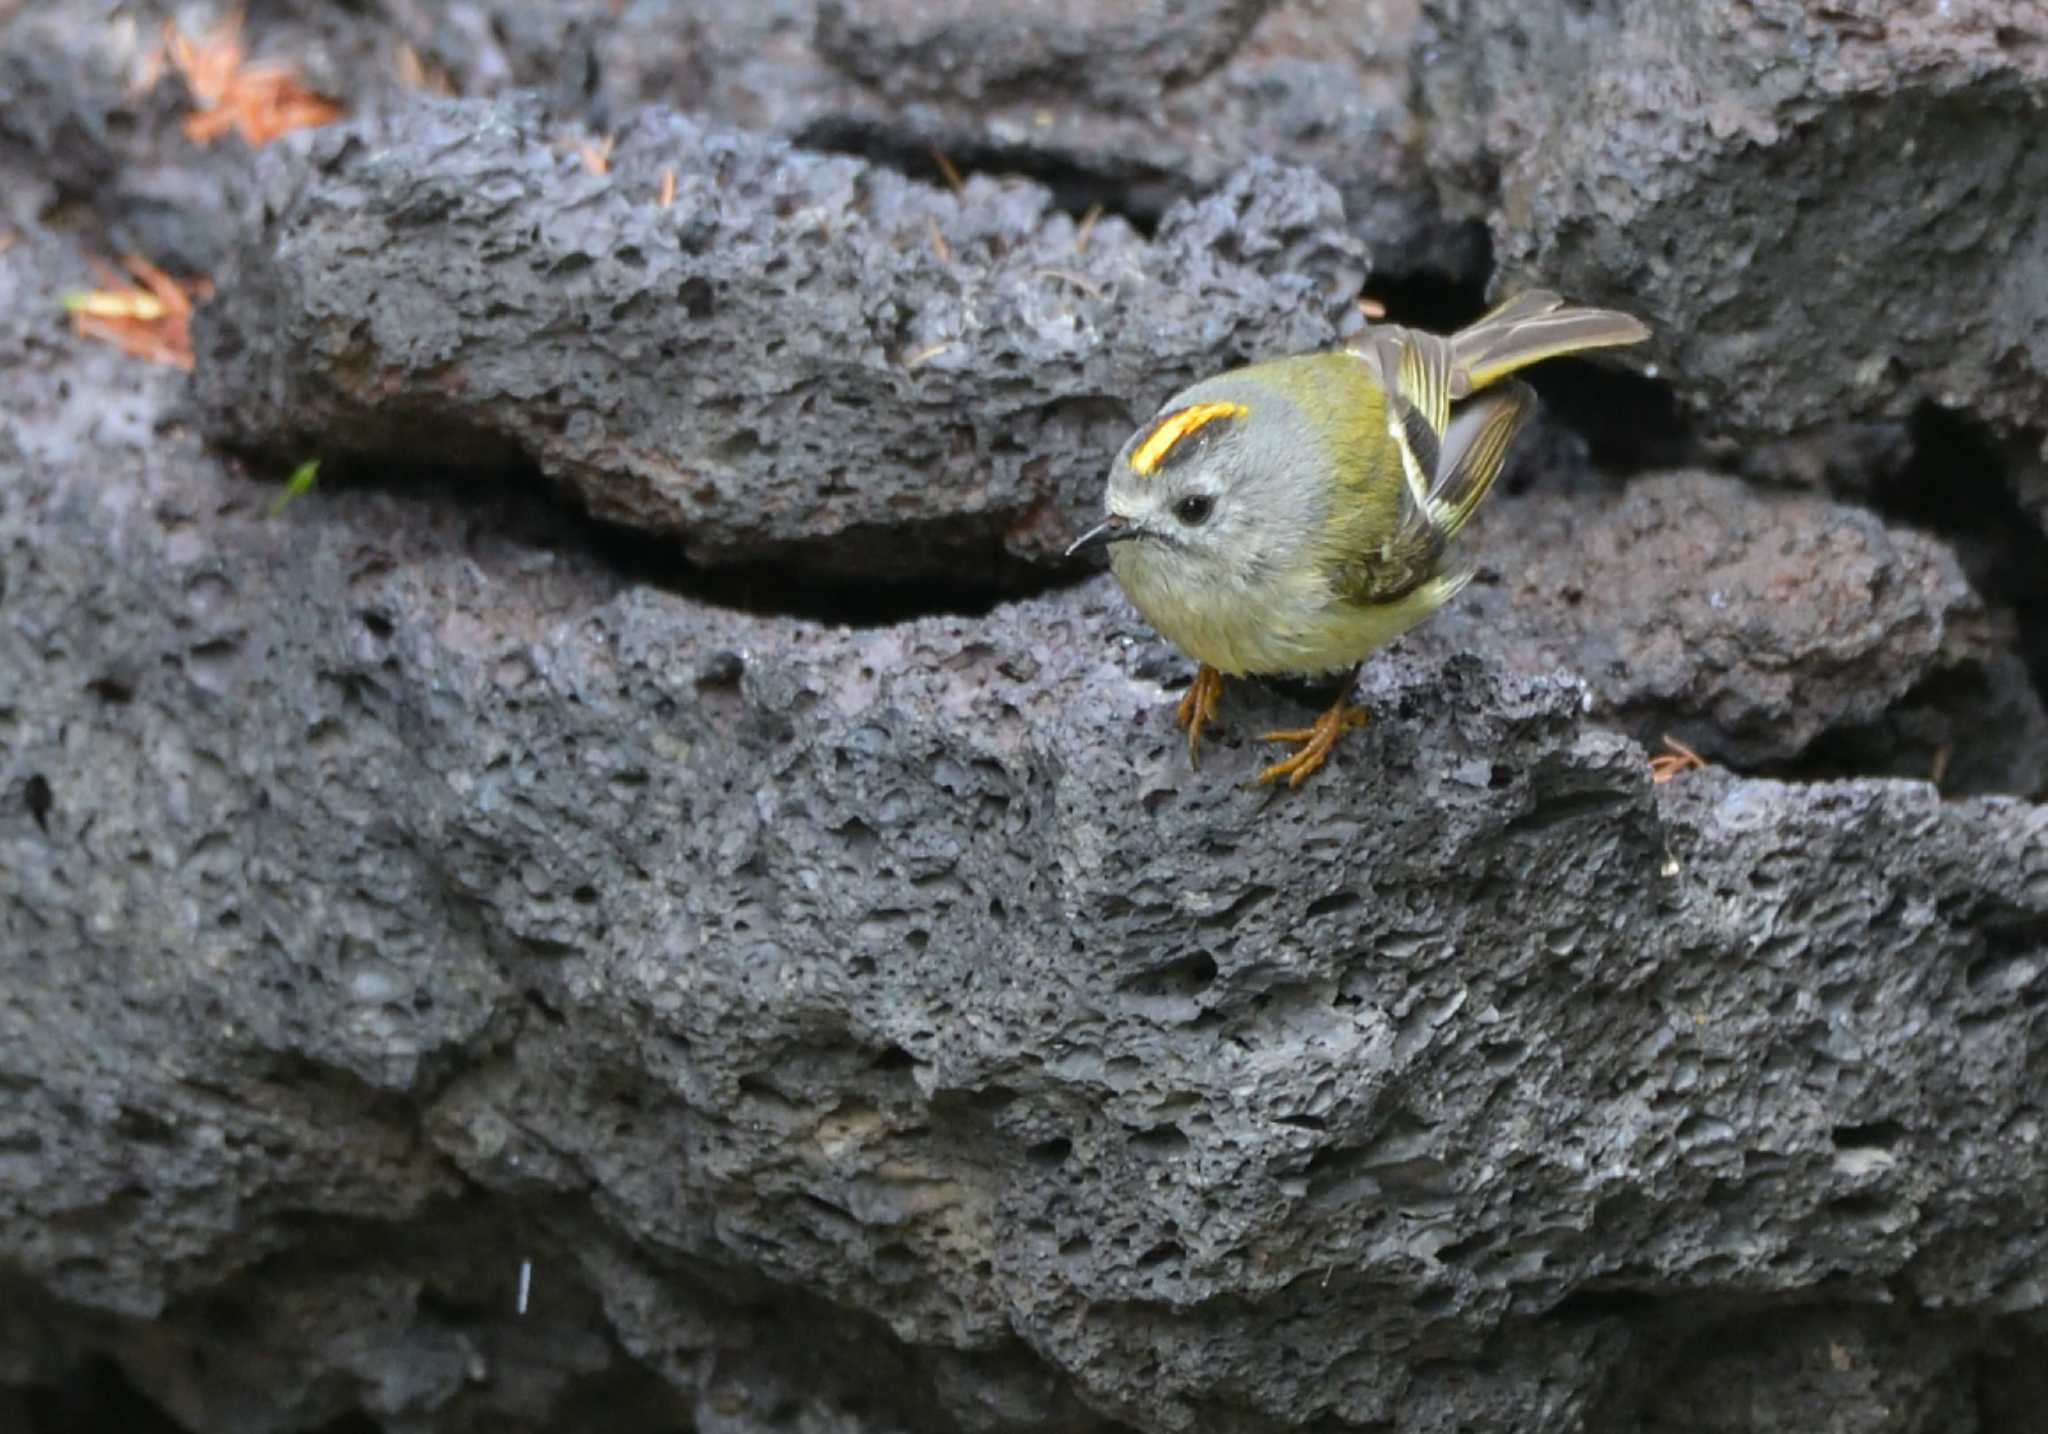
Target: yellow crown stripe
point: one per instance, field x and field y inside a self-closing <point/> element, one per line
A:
<point x="1178" y="425"/>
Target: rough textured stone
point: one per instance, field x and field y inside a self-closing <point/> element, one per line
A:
<point x="1133" y="108"/>
<point x="806" y="1001"/>
<point x="1830" y="212"/>
<point x="803" y="358"/>
<point x="976" y="52"/>
<point x="1164" y="103"/>
<point x="1751" y="626"/>
<point x="877" y="1027"/>
<point x="74" y="133"/>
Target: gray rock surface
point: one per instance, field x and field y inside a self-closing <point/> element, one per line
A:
<point x="804" y="359"/>
<point x="1133" y="107"/>
<point x="75" y="135"/>
<point x="979" y="51"/>
<point x="412" y="894"/>
<point x="1754" y="626"/>
<point x="836" y="994"/>
<point x="1830" y="213"/>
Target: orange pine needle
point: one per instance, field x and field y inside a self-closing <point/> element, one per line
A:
<point x="420" y="76"/>
<point x="948" y="171"/>
<point x="668" y="188"/>
<point x="147" y="319"/>
<point x="1086" y="227"/>
<point x="258" y="101"/>
<point x="597" y="155"/>
<point x="1680" y="758"/>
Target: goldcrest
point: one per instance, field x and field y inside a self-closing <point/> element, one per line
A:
<point x="1295" y="516"/>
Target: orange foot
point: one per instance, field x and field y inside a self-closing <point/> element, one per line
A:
<point x="1315" y="741"/>
<point x="1198" y="708"/>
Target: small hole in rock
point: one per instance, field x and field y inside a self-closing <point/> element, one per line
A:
<point x="1433" y="1302"/>
<point x="1160" y="1140"/>
<point x="40" y="799"/>
<point x="1160" y="1254"/>
<point x="722" y="669"/>
<point x="1877" y="1135"/>
<point x="1333" y="903"/>
<point x="1050" y="1152"/>
<point x="1503" y="1053"/>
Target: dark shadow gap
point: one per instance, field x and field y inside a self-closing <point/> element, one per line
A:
<point x="1134" y="191"/>
<point x="355" y="1422"/>
<point x="1444" y="298"/>
<point x="94" y="1397"/>
<point x="1959" y="728"/>
<point x="808" y="581"/>
<point x="1954" y="486"/>
<point x="1632" y="423"/>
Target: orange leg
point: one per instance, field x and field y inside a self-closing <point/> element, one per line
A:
<point x="1198" y="708"/>
<point x="1316" y="741"/>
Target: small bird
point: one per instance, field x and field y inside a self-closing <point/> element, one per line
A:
<point x="1295" y="516"/>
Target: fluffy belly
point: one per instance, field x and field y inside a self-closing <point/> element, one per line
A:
<point x="1270" y="628"/>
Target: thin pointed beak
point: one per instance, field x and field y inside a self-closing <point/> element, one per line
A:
<point x="1114" y="529"/>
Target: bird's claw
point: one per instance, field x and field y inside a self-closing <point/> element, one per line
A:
<point x="1197" y="708"/>
<point x="1315" y="743"/>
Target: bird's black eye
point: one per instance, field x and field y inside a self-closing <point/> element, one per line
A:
<point x="1194" y="509"/>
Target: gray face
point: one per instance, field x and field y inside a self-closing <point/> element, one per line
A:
<point x="1218" y="490"/>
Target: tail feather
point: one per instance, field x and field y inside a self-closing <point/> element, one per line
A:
<point x="1453" y="440"/>
<point x="1528" y="329"/>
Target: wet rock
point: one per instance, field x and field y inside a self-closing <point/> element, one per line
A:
<point x="1829" y="213"/>
<point x="804" y="359"/>
<point x="1752" y="626"/>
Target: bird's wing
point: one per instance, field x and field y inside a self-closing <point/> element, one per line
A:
<point x="1391" y="569"/>
<point x="1415" y="375"/>
<point x="1408" y="544"/>
<point x="1474" y="448"/>
<point x="1452" y="439"/>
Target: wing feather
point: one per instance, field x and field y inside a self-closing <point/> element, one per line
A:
<point x="1451" y="439"/>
